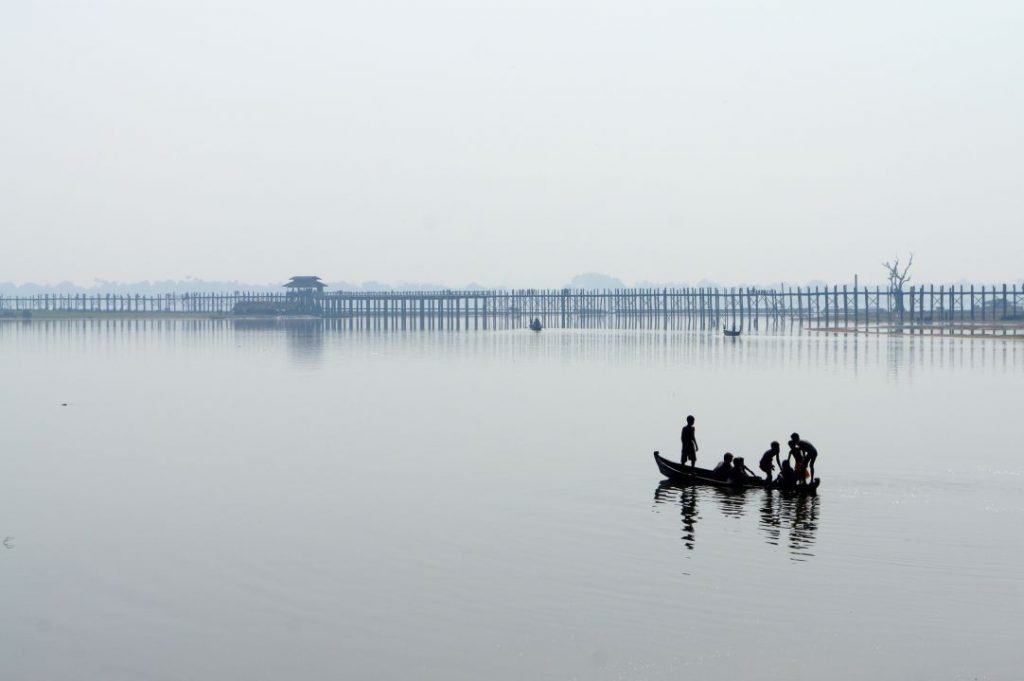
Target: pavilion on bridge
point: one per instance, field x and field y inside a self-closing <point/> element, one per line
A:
<point x="304" y="295"/>
<point x="305" y="285"/>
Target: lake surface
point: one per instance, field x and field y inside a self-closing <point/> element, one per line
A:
<point x="224" y="500"/>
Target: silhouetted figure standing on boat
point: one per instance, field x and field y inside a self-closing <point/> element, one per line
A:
<point x="767" y="465"/>
<point x="689" y="439"/>
<point x="799" y="467"/>
<point x="809" y="451"/>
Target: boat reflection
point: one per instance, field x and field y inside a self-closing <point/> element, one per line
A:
<point x="791" y="520"/>
<point x="686" y="497"/>
<point x="731" y="502"/>
<point x="784" y="520"/>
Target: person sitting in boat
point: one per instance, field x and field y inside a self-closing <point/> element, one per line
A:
<point x="740" y="472"/>
<point x="766" y="465"/>
<point x="723" y="467"/>
<point x="787" y="476"/>
<point x="809" y="451"/>
<point x="689" y="439"/>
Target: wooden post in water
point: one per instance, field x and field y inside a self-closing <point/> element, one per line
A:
<point x="709" y="304"/>
<point x="664" y="308"/>
<point x="878" y="306"/>
<point x="972" y="307"/>
<point x="856" y="309"/>
<point x="846" y="311"/>
<point x="913" y="300"/>
<point x="931" y="308"/>
<point x="828" y="305"/>
<point x="753" y="306"/>
<point x="735" y="300"/>
<point x="952" y="303"/>
<point x="920" y="309"/>
<point x="1006" y="313"/>
<point x="819" y="297"/>
<point x="1016" y="312"/>
<point x="835" y="306"/>
<point x="738" y="305"/>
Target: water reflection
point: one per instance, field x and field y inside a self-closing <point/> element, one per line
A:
<point x="305" y="340"/>
<point x="731" y="502"/>
<point x="303" y="337"/>
<point x="901" y="358"/>
<point x="784" y="520"/>
<point x="790" y="520"/>
<point x="667" y="493"/>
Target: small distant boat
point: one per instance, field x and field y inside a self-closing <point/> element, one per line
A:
<point x="535" y="325"/>
<point x="732" y="333"/>
<point x="686" y="475"/>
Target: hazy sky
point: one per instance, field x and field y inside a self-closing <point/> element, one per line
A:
<point x="513" y="143"/>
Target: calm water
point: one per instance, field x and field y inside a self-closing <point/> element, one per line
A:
<point x="246" y="501"/>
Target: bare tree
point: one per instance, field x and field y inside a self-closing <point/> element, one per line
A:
<point x="897" y="278"/>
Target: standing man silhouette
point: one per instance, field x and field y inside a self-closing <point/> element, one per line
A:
<point x="766" y="464"/>
<point x="689" y="439"/>
<point x="809" y="451"/>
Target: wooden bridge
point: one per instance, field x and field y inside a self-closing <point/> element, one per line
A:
<point x="922" y="309"/>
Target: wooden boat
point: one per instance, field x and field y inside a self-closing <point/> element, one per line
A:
<point x="731" y="333"/>
<point x="687" y="475"/>
<point x="535" y="325"/>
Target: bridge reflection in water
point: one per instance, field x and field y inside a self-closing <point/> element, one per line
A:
<point x="784" y="520"/>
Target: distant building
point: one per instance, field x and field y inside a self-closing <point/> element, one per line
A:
<point x="303" y="298"/>
<point x="305" y="285"/>
<point x="304" y="295"/>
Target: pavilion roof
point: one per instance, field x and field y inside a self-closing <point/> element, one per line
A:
<point x="305" y="282"/>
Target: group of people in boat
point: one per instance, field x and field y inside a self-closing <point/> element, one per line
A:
<point x="798" y="467"/>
